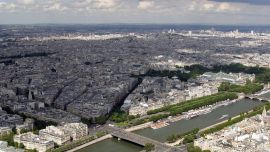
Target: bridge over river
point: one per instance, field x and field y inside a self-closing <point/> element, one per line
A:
<point x="260" y="98"/>
<point x="141" y="140"/>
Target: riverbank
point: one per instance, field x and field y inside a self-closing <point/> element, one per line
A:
<point x="91" y="143"/>
<point x="201" y="111"/>
<point x="178" y="127"/>
<point x="108" y="136"/>
<point x="140" y="129"/>
<point x="264" y="91"/>
<point x="234" y="119"/>
<point x="148" y="124"/>
<point x="187" y="115"/>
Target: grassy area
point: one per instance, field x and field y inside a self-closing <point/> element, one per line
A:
<point x="121" y="116"/>
<point x="8" y="138"/>
<point x="175" y="137"/>
<point x="194" y="70"/>
<point x="192" y="148"/>
<point x="249" y="88"/>
<point x="262" y="74"/>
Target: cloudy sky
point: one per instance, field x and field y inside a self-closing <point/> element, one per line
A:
<point x="244" y="12"/>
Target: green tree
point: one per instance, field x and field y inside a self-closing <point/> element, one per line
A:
<point x="149" y="147"/>
<point x="189" y="138"/>
<point x="192" y="148"/>
<point x="8" y="138"/>
<point x="31" y="150"/>
<point x="101" y="120"/>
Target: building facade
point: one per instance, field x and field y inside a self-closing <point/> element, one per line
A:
<point x="32" y="141"/>
<point x="55" y="134"/>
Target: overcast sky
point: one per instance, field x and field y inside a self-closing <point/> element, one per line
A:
<point x="237" y="12"/>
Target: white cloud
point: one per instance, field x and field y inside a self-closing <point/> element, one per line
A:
<point x="104" y="4"/>
<point x="212" y="6"/>
<point x="146" y="4"/>
<point x="8" y="6"/>
<point x="56" y="7"/>
<point x="223" y="7"/>
<point x="192" y="6"/>
<point x="97" y="4"/>
<point x="208" y="6"/>
<point x="26" y="2"/>
<point x="3" y="4"/>
<point x="132" y="11"/>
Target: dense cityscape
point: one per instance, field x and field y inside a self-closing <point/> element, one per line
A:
<point x="134" y="76"/>
<point x="64" y="91"/>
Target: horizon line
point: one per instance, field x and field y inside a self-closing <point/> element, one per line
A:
<point x="192" y="24"/>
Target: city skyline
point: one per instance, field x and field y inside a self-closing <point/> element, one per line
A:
<point x="218" y="12"/>
<point x="134" y="75"/>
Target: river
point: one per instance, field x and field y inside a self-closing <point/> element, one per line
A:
<point x="113" y="145"/>
<point x="266" y="95"/>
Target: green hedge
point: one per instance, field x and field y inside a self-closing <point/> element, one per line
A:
<point x="121" y="116"/>
<point x="195" y="103"/>
<point x="175" y="137"/>
<point x="249" y="88"/>
<point x="8" y="138"/>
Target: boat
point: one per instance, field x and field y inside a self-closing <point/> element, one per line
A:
<point x="159" y="125"/>
<point x="224" y="116"/>
<point x="191" y="116"/>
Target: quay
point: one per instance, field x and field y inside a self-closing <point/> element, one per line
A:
<point x="90" y="143"/>
<point x="127" y="135"/>
<point x="142" y="141"/>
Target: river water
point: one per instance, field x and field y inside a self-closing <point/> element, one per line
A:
<point x="266" y="95"/>
<point x="113" y="145"/>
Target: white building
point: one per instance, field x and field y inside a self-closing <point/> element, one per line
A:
<point x="5" y="131"/>
<point x="32" y="141"/>
<point x="249" y="135"/>
<point x="76" y="130"/>
<point x="234" y="78"/>
<point x="55" y="134"/>
<point x="200" y="91"/>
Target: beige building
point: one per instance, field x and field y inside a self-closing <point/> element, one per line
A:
<point x="200" y="91"/>
<point x="5" y="131"/>
<point x="55" y="134"/>
<point x="32" y="141"/>
<point x="76" y="130"/>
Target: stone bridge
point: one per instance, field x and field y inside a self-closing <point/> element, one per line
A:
<point x="252" y="97"/>
<point x="141" y="140"/>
